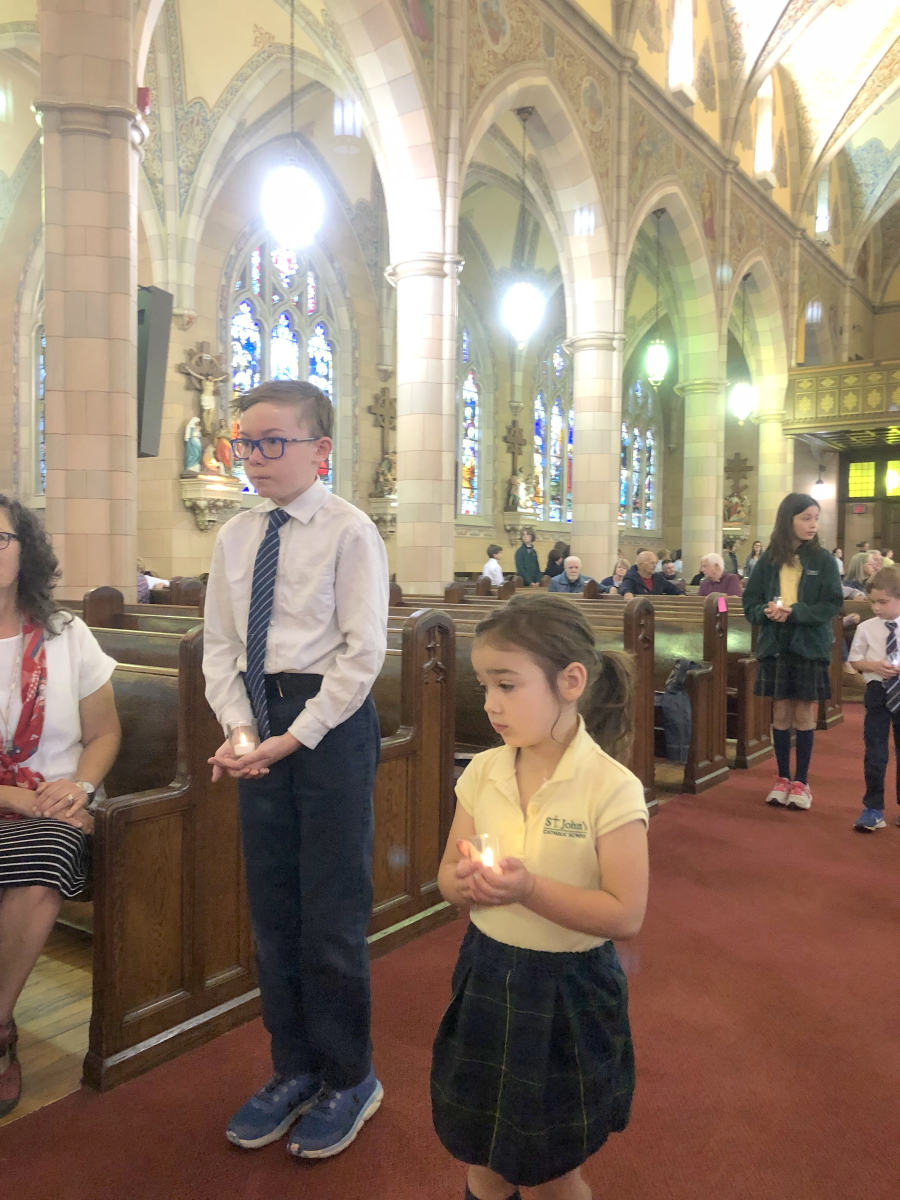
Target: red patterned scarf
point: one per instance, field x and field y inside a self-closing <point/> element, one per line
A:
<point x="13" y="772"/>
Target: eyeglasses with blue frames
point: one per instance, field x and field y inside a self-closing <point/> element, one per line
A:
<point x="6" y="538"/>
<point x="269" y="447"/>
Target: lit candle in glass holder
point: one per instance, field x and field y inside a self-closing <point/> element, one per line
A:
<point x="243" y="738"/>
<point x="486" y="849"/>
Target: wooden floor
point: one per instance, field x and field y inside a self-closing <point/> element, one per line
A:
<point x="53" y="1014"/>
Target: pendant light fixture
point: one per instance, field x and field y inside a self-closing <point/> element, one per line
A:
<point x="523" y="305"/>
<point x="656" y="363"/>
<point x="743" y="395"/>
<point x="291" y="202"/>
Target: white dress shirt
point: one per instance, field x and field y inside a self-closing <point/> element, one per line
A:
<point x="494" y="572"/>
<point x="870" y="645"/>
<point x="329" y="615"/>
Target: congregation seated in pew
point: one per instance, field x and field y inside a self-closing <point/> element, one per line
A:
<point x="643" y="579"/>
<point x="571" y="580"/>
<point x="716" y="578"/>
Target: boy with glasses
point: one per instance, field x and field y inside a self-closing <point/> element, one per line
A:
<point x="295" y="635"/>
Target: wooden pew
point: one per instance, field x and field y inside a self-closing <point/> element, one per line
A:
<point x="699" y="634"/>
<point x="631" y="630"/>
<point x="172" y="947"/>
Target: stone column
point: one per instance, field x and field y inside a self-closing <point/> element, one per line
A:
<point x="776" y="463"/>
<point x="596" y="449"/>
<point x="704" y="470"/>
<point x="92" y="135"/>
<point x="426" y="441"/>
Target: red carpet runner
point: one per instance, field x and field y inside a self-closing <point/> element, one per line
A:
<point x="765" y="991"/>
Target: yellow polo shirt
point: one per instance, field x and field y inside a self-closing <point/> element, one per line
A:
<point x="588" y="795"/>
<point x="789" y="582"/>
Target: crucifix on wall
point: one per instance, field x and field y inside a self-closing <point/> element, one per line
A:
<point x="515" y="491"/>
<point x="384" y="410"/>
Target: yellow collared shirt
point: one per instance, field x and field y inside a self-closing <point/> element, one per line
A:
<point x="789" y="582"/>
<point x="588" y="795"/>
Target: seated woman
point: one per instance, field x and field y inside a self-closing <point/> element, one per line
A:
<point x="59" y="735"/>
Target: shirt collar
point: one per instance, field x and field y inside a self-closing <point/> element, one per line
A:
<point x="504" y="769"/>
<point x="305" y="507"/>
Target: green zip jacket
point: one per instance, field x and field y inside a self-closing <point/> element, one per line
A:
<point x="808" y="631"/>
<point x="527" y="566"/>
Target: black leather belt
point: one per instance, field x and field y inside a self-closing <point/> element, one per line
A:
<point x="291" y="685"/>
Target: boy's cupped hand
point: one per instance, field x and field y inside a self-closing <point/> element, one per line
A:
<point x="254" y="765"/>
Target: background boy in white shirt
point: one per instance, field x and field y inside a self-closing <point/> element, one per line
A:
<point x="295" y="635"/>
<point x="492" y="567"/>
<point x="876" y="655"/>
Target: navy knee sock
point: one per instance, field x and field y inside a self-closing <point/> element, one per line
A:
<point x="804" y="753"/>
<point x="781" y="740"/>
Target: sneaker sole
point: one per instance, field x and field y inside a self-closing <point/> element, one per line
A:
<point x="798" y="807"/>
<point x="869" y="828"/>
<point x="774" y="802"/>
<point x="278" y="1132"/>
<point x="371" y="1108"/>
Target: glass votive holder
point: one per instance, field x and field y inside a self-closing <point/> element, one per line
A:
<point x="486" y="849"/>
<point x="244" y="738"/>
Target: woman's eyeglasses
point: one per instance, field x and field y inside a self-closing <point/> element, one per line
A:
<point x="269" y="447"/>
<point x="6" y="538"/>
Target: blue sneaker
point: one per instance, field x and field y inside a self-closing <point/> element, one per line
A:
<point x="336" y="1119"/>
<point x="269" y="1114"/>
<point x="871" y="819"/>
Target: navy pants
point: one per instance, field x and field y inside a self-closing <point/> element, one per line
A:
<point x="307" y="831"/>
<point x="876" y="728"/>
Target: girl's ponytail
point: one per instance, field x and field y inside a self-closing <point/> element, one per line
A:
<point x="555" y="633"/>
<point x="608" y="704"/>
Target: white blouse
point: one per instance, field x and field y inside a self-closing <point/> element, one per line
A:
<point x="76" y="668"/>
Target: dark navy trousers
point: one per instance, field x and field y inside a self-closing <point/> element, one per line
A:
<point x="877" y="726"/>
<point x="307" y="831"/>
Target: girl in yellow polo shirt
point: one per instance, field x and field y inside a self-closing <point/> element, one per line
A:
<point x="533" y="1065"/>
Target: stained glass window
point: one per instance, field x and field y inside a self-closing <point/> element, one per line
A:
<point x="40" y="376"/>
<point x="465" y="345"/>
<point x="539" y="466"/>
<point x="284" y="360"/>
<point x="286" y="264"/>
<point x="570" y="463"/>
<point x="649" y="481"/>
<point x="321" y="361"/>
<point x="637" y="447"/>
<point x="624" y="470"/>
<point x="245" y="348"/>
<point x="638" y="478"/>
<point x="559" y="363"/>
<point x="273" y="328"/>
<point x="469" y="462"/>
<point x="558" y="434"/>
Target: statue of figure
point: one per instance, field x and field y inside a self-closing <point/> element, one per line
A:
<point x="526" y="503"/>
<point x="386" y="479"/>
<point x="223" y="448"/>
<point x="513" y="492"/>
<point x="193" y="447"/>
<point x="211" y="464"/>
<point x="737" y="509"/>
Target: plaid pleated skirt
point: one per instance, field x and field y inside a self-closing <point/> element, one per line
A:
<point x="790" y="677"/>
<point x="533" y="1065"/>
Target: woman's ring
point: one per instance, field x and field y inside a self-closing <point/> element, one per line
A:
<point x="71" y="799"/>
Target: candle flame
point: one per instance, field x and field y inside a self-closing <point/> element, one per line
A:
<point x="487" y="857"/>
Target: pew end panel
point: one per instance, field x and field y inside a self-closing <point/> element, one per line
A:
<point x="638" y="640"/>
<point x="753" y="717"/>
<point x="831" y="712"/>
<point x="414" y="796"/>
<point x="173" y="957"/>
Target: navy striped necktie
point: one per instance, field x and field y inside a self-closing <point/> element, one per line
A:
<point x="262" y="596"/>
<point x="892" y="686"/>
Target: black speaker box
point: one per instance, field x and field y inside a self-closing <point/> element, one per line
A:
<point x="154" y="323"/>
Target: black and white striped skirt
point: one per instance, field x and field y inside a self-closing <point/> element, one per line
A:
<point x="39" y="851"/>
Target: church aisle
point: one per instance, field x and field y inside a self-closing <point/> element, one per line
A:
<point x="763" y="999"/>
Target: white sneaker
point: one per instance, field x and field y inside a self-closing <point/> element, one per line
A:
<point x="800" y="796"/>
<point x="780" y="792"/>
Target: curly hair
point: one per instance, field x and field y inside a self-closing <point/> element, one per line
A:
<point x="38" y="567"/>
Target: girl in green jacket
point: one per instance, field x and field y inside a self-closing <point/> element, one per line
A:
<point x="527" y="566"/>
<point x="794" y="594"/>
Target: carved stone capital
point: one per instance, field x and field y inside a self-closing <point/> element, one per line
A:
<point x="701" y="387"/>
<point x="383" y="512"/>
<point x="592" y="341"/>
<point x="435" y="265"/>
<point x="210" y="499"/>
<point x="183" y="318"/>
<point x="98" y="120"/>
